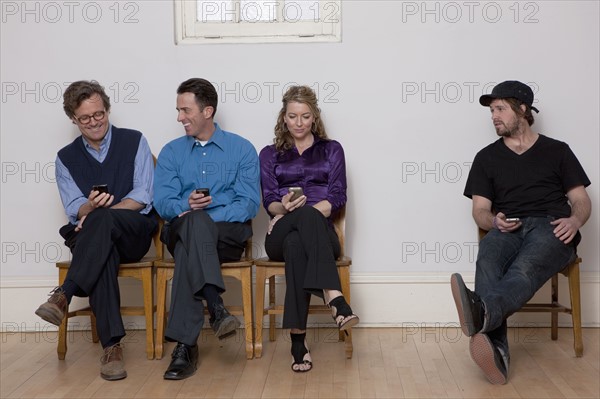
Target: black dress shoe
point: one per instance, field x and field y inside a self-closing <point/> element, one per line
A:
<point x="471" y="312"/>
<point x="222" y="322"/>
<point x="183" y="362"/>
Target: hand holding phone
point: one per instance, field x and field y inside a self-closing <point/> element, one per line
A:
<point x="100" y="201"/>
<point x="197" y="202"/>
<point x="297" y="192"/>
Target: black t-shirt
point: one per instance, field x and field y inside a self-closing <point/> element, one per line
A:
<point x="531" y="184"/>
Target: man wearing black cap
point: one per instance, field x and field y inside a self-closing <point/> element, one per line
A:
<point x="528" y="192"/>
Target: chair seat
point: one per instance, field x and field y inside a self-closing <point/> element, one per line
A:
<point x="170" y="263"/>
<point x="266" y="262"/>
<point x="147" y="261"/>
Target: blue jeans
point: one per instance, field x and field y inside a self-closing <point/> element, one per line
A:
<point x="511" y="267"/>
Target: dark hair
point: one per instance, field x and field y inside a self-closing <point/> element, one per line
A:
<point x="79" y="91"/>
<point x="299" y="94"/>
<point x="203" y="90"/>
<point x="515" y="105"/>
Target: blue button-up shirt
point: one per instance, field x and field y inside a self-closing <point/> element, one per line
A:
<point x="227" y="165"/>
<point x="143" y="177"/>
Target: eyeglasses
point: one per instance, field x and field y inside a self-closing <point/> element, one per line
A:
<point x="85" y="119"/>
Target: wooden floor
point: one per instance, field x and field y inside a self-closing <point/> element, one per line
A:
<point x="387" y="363"/>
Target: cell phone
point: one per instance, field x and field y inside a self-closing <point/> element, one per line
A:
<point x="296" y="193"/>
<point x="204" y="191"/>
<point x="101" y="188"/>
<point x="512" y="220"/>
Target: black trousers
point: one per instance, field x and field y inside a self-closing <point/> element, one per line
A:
<point x="309" y="246"/>
<point x="199" y="245"/>
<point x="108" y="237"/>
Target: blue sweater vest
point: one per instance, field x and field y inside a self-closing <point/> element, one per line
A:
<point x="116" y="170"/>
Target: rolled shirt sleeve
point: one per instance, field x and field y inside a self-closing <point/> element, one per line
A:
<point x="71" y="196"/>
<point x="143" y="177"/>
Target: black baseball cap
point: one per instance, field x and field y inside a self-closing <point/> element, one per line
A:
<point x="510" y="89"/>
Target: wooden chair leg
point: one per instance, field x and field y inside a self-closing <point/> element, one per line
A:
<point x="246" y="281"/>
<point x="148" y="311"/>
<point x="344" y="273"/>
<point x="259" y="311"/>
<point x="574" y="288"/>
<point x="553" y="313"/>
<point x="95" y="337"/>
<point x="62" y="329"/>
<point x="161" y="302"/>
<point x="272" y="303"/>
<point x="62" y="338"/>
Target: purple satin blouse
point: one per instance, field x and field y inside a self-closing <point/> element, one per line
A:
<point x="320" y="171"/>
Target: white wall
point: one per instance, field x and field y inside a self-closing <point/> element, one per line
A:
<point x="400" y="92"/>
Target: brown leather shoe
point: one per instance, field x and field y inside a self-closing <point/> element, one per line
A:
<point x="55" y="308"/>
<point x="113" y="366"/>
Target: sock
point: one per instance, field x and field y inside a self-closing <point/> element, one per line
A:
<point x="113" y="341"/>
<point x="298" y="348"/>
<point x="298" y="338"/>
<point x="70" y="288"/>
<point x="338" y="302"/>
<point x="211" y="294"/>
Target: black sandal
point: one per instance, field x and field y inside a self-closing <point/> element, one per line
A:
<point x="300" y="353"/>
<point x="342" y="313"/>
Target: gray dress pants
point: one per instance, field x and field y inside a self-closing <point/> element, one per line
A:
<point x="199" y="245"/>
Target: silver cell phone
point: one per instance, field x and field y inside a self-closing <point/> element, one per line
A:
<point x="296" y="193"/>
<point x="512" y="220"/>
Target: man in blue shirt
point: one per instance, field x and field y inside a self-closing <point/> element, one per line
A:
<point x="105" y="181"/>
<point x="207" y="189"/>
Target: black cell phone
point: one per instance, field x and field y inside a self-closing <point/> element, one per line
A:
<point x="296" y="193"/>
<point x="512" y="220"/>
<point x="204" y="191"/>
<point x="101" y="188"/>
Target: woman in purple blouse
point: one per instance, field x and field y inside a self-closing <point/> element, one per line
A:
<point x="300" y="232"/>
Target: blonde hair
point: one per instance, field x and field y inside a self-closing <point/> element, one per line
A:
<point x="299" y="94"/>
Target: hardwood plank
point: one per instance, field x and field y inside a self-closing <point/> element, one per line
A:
<point x="387" y="363"/>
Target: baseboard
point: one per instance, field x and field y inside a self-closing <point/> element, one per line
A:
<point x="408" y="300"/>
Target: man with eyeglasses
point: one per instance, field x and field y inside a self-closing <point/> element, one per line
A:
<point x="105" y="179"/>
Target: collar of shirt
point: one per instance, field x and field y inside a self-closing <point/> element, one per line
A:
<point x="217" y="138"/>
<point x="316" y="140"/>
<point x="104" y="146"/>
